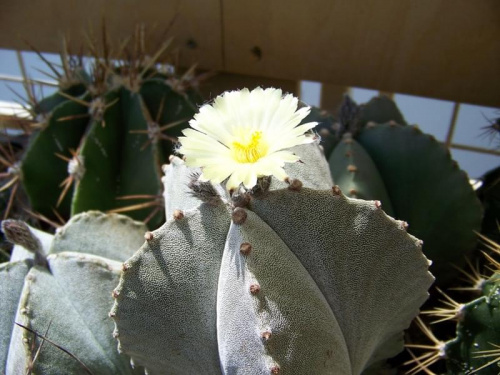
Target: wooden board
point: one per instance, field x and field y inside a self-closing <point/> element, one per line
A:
<point x="225" y="81"/>
<point x="332" y="96"/>
<point x="195" y="24"/>
<point x="447" y="49"/>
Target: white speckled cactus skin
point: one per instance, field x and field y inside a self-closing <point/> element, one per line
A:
<point x="66" y="296"/>
<point x="298" y="279"/>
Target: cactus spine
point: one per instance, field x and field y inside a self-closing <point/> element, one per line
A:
<point x="99" y="142"/>
<point x="475" y="347"/>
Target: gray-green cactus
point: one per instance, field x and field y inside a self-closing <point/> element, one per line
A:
<point x="230" y="285"/>
<point x="288" y="278"/>
<point x="64" y="294"/>
<point x="376" y="155"/>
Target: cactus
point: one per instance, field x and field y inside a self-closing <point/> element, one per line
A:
<point x="205" y="287"/>
<point x="378" y="156"/>
<point x="475" y="349"/>
<point x="283" y="275"/>
<point x="274" y="275"/>
<point x="477" y="345"/>
<point x="59" y="287"/>
<point x="102" y="138"/>
<point x="489" y="195"/>
<point x="270" y="287"/>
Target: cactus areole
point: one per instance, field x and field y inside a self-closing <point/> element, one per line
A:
<point x="263" y="266"/>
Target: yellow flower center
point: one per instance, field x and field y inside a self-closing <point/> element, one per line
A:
<point x="251" y="149"/>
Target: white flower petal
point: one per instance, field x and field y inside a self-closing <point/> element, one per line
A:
<point x="196" y="142"/>
<point x="250" y="178"/>
<point x="271" y="168"/>
<point x="235" y="180"/>
<point x="217" y="173"/>
<point x="285" y="111"/>
<point x="244" y="134"/>
<point x="209" y="121"/>
<point x="284" y="156"/>
<point x="295" y="137"/>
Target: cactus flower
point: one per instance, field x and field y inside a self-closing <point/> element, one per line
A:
<point x="244" y="135"/>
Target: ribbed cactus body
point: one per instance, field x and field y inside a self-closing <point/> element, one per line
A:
<point x="11" y="284"/>
<point x="380" y="110"/>
<point x="379" y="157"/>
<point x="114" y="134"/>
<point x="294" y="279"/>
<point x="356" y="173"/>
<point x="67" y="299"/>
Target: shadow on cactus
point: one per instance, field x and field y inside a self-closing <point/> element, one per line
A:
<point x="101" y="139"/>
<point x="374" y="154"/>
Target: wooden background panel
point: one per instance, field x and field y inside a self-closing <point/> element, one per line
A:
<point x="447" y="49"/>
<point x="197" y="25"/>
<point x="221" y="82"/>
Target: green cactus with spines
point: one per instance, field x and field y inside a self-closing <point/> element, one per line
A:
<point x="476" y="348"/>
<point x="103" y="138"/>
<point x="378" y="156"/>
<point x="59" y="286"/>
<point x="290" y="278"/>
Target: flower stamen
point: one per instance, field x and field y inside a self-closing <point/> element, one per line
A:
<point x="250" y="152"/>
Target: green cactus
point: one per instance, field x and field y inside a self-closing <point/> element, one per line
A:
<point x="285" y="278"/>
<point x="380" y="109"/>
<point x="103" y="137"/>
<point x="352" y="118"/>
<point x="59" y="287"/>
<point x="379" y="157"/>
<point x="475" y="349"/>
<point x="327" y="128"/>
<point x="489" y="194"/>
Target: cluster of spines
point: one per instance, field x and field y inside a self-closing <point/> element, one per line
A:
<point x="451" y="310"/>
<point x="124" y="67"/>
